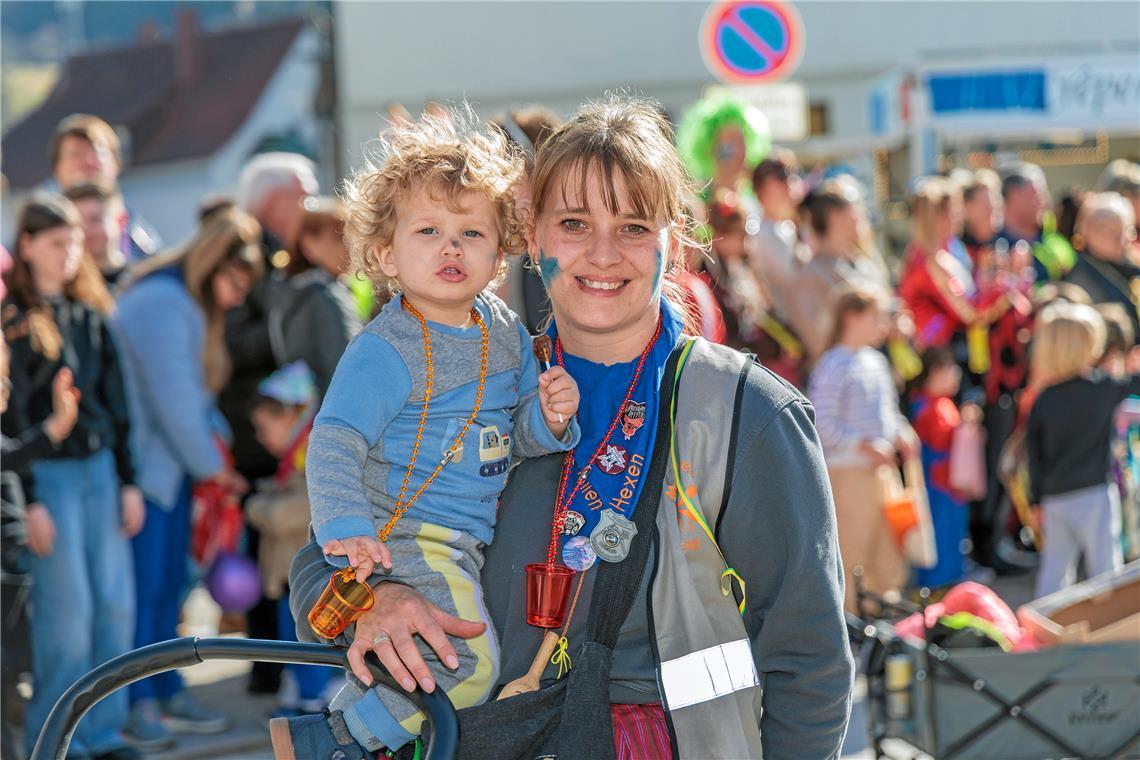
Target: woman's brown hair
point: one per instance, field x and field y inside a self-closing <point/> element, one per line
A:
<point x="227" y="237"/>
<point x="43" y="212"/>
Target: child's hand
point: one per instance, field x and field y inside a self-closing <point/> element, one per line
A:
<point x="558" y="396"/>
<point x="907" y="444"/>
<point x="880" y="452"/>
<point x="363" y="553"/>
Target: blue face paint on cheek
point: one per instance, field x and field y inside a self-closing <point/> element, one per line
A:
<point x="659" y="272"/>
<point x="547" y="268"/>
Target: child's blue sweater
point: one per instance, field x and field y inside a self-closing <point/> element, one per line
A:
<point x="363" y="435"/>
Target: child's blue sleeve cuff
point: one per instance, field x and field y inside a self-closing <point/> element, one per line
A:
<point x="339" y="529"/>
<point x="384" y="728"/>
<point x="545" y="439"/>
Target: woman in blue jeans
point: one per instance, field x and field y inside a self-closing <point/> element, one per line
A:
<point x="83" y="502"/>
<point x="170" y="318"/>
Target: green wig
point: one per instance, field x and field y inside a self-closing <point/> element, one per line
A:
<point x="696" y="134"/>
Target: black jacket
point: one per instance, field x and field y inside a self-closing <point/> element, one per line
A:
<point x="311" y="319"/>
<point x="1107" y="282"/>
<point x="90" y="352"/>
<point x="247" y="339"/>
<point x="1069" y="433"/>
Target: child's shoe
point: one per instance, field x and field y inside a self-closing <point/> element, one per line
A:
<point x="144" y="729"/>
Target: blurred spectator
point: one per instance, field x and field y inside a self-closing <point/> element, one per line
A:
<point x="981" y="212"/>
<point x="774" y="249"/>
<point x="1122" y="176"/>
<point x="863" y="433"/>
<point x="16" y="677"/>
<point x="1025" y="198"/>
<point x="1105" y="231"/>
<point x="935" y="284"/>
<point x="84" y="148"/>
<point x="1119" y="359"/>
<point x="837" y="261"/>
<point x="695" y="279"/>
<point x="171" y="318"/>
<point x="936" y="419"/>
<point x="282" y="414"/>
<point x="721" y="138"/>
<point x="1068" y="209"/>
<point x="100" y="208"/>
<point x="744" y="300"/>
<point x="312" y="318"/>
<point x="1119" y="339"/>
<point x="83" y="501"/>
<point x="271" y="187"/>
<point x="1068" y="453"/>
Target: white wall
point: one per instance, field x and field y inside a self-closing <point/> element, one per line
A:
<point x="499" y="54"/>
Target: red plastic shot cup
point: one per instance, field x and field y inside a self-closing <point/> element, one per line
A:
<point x="547" y="592"/>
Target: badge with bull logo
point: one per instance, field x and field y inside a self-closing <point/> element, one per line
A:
<point x="612" y="536"/>
<point x="632" y="418"/>
<point x="574" y="523"/>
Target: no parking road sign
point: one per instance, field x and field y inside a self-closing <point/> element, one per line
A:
<point x="751" y="40"/>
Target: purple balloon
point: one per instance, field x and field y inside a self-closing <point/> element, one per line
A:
<point x="234" y="582"/>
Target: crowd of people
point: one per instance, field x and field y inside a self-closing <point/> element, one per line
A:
<point x="140" y="379"/>
<point x="956" y="353"/>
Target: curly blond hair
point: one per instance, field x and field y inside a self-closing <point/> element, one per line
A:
<point x="449" y="152"/>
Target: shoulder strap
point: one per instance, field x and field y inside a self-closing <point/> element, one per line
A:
<point x="617" y="583"/>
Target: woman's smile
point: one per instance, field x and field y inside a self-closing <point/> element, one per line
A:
<point x="601" y="286"/>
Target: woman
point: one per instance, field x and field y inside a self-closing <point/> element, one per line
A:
<point x="312" y="318"/>
<point x="835" y="221"/>
<point x="607" y="223"/>
<point x="745" y="300"/>
<point x="171" y="319"/>
<point x="935" y="284"/>
<point x="83" y="501"/>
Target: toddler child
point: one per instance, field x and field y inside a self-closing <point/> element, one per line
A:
<point x="428" y="406"/>
<point x="863" y="433"/>
<point x="936" y="420"/>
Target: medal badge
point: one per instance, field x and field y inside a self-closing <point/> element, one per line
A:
<point x="613" y="535"/>
<point x="632" y="418"/>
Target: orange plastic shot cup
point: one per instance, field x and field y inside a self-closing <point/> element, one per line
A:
<point x="341" y="604"/>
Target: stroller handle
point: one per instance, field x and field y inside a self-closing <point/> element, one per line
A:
<point x="441" y="740"/>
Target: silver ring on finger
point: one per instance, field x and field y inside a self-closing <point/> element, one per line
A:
<point x="378" y="640"/>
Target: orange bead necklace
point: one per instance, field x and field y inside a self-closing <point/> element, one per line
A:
<point x="403" y="505"/>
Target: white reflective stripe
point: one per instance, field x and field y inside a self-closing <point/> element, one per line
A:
<point x="708" y="674"/>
